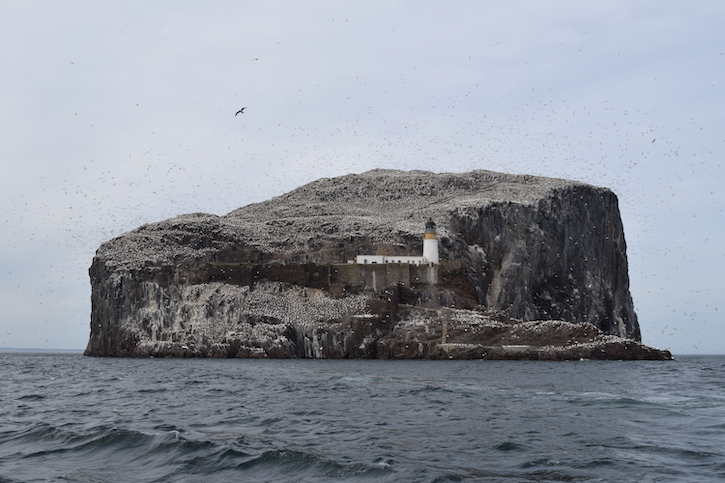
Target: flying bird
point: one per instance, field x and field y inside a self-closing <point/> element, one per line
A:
<point x="240" y="110"/>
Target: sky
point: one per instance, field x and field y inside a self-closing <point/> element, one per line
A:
<point x="120" y="113"/>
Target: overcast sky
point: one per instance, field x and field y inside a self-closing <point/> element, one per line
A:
<point x="116" y="114"/>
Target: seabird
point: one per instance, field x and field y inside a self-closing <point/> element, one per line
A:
<point x="240" y="110"/>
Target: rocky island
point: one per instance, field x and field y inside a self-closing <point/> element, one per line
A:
<point x="524" y="268"/>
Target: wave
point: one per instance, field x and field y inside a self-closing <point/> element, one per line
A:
<point x="164" y="454"/>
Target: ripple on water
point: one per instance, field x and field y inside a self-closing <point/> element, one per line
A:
<point x="164" y="420"/>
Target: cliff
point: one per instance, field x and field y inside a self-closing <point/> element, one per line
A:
<point x="531" y="268"/>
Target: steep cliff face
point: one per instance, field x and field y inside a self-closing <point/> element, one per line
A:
<point x="261" y="281"/>
<point x="563" y="257"/>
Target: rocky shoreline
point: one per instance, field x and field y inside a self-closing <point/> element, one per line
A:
<point x="532" y="268"/>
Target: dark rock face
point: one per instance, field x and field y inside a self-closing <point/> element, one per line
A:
<point x="562" y="258"/>
<point x="272" y="279"/>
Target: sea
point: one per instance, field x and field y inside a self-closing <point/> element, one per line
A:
<point x="69" y="418"/>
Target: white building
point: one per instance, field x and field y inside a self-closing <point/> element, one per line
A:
<point x="430" y="251"/>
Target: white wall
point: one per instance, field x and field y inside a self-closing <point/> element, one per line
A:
<point x="366" y="259"/>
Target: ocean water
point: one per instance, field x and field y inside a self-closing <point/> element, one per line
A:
<point x="69" y="418"/>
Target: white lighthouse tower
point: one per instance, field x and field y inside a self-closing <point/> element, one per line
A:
<point x="430" y="243"/>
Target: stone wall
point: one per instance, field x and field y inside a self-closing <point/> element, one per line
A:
<point x="378" y="276"/>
